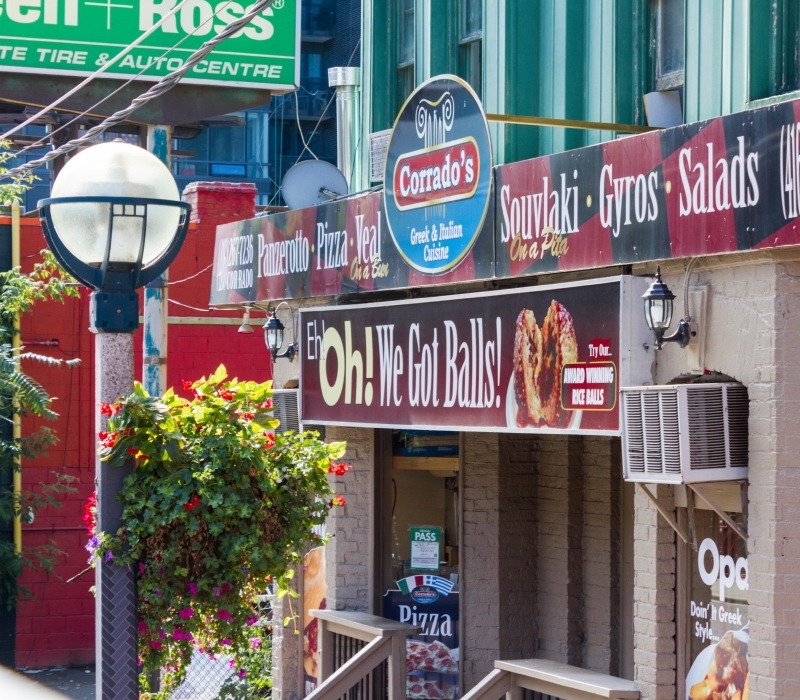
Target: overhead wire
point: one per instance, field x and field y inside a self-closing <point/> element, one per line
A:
<point x="46" y="139"/>
<point x="316" y="126"/>
<point x="99" y="71"/>
<point x="163" y="86"/>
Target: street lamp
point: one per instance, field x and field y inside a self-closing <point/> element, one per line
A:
<point x="115" y="222"/>
<point x="273" y="336"/>
<point x="658" y="314"/>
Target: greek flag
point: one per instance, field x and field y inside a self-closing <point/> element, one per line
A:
<point x="408" y="584"/>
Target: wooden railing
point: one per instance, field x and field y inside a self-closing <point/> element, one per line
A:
<point x="362" y="656"/>
<point x="549" y="680"/>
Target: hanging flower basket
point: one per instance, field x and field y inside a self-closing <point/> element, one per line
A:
<point x="218" y="508"/>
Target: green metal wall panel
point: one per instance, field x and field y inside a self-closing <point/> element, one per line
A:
<point x="589" y="60"/>
<point x="717" y="43"/>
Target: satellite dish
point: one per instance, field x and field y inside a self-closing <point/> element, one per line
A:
<point x="312" y="182"/>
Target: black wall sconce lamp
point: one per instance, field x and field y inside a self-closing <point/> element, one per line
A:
<point x="274" y="332"/>
<point x="658" y="313"/>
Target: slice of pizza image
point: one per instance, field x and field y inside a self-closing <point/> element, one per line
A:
<point x="728" y="675"/>
<point x="422" y="689"/>
<point x="433" y="656"/>
<point x="539" y="356"/>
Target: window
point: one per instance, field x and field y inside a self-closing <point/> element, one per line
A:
<point x="405" y="65"/>
<point x="669" y="56"/>
<point x="470" y="43"/>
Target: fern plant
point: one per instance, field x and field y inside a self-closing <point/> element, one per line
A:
<point x="22" y="394"/>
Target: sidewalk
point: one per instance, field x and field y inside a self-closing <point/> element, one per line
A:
<point x="75" y="683"/>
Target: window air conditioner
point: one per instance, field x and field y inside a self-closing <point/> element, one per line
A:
<point x="286" y="411"/>
<point x="685" y="433"/>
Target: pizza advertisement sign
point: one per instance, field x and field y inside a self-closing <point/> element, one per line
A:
<point x="542" y="359"/>
<point x="717" y="612"/>
<point x="314" y="598"/>
<point x="432" y="657"/>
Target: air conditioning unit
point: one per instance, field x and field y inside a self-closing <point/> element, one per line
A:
<point x="685" y="433"/>
<point x="286" y="411"/>
<point x="378" y="145"/>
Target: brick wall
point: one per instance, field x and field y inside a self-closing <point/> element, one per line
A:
<point x="601" y="550"/>
<point x="480" y="551"/>
<point x="518" y="547"/>
<point x="348" y="554"/>
<point x="752" y="334"/>
<point x="540" y="551"/>
<point x="654" y="599"/>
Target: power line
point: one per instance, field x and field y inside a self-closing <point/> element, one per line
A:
<point x="46" y="139"/>
<point x="161" y="87"/>
<point x="100" y="70"/>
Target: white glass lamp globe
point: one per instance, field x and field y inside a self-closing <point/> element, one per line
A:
<point x="115" y="169"/>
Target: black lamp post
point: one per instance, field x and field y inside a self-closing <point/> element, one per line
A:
<point x="273" y="337"/>
<point x="658" y="314"/>
<point x="115" y="222"/>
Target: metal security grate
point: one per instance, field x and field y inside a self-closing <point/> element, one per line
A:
<point x="205" y="679"/>
<point x="373" y="686"/>
<point x="534" y="695"/>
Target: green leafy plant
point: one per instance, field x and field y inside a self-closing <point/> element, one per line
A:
<point x="23" y="395"/>
<point x="218" y="508"/>
<point x="11" y="191"/>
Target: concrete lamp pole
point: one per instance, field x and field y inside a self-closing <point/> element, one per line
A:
<point x="114" y="221"/>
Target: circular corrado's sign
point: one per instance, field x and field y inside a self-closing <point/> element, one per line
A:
<point x="438" y="175"/>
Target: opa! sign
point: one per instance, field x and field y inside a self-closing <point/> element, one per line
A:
<point x="439" y="164"/>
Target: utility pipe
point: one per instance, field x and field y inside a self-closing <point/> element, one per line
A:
<point x="16" y="420"/>
<point x="346" y="80"/>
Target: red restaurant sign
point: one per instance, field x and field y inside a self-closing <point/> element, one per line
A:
<point x="724" y="185"/>
<point x="544" y="359"/>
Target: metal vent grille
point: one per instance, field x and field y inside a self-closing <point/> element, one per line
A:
<point x="684" y="433"/>
<point x="286" y="411"/>
<point x="285" y="401"/>
<point x="378" y="145"/>
<point x="738" y="414"/>
<point x="706" y="428"/>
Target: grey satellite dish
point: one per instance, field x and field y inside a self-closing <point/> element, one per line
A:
<point x="312" y="182"/>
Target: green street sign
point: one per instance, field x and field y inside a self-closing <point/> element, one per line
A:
<point x="426" y="543"/>
<point x="75" y="37"/>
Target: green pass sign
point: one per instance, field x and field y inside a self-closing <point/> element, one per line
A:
<point x="75" y="37"/>
<point x="425" y="548"/>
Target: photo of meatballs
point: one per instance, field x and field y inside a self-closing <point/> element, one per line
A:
<point x="539" y="356"/>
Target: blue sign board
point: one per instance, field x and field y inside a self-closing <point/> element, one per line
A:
<point x="438" y="175"/>
<point x="432" y="657"/>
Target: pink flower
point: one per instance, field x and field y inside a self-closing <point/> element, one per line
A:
<point x="142" y="627"/>
<point x="232" y="663"/>
<point x="142" y="568"/>
<point x="225" y="587"/>
<point x="155" y="645"/>
<point x="192" y="588"/>
<point x="251" y="620"/>
<point x="186" y="613"/>
<point x="242" y="674"/>
<point x="223" y="614"/>
<point x="225" y="642"/>
<point x="255" y="642"/>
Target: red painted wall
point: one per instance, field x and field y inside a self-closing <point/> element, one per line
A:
<point x="56" y="625"/>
